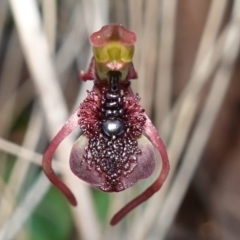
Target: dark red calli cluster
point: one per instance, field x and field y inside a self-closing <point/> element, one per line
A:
<point x="91" y="113"/>
<point x="114" y="157"/>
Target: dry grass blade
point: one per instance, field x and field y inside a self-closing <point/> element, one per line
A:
<point x="148" y="56"/>
<point x="25" y="154"/>
<point x="50" y="21"/>
<point x="51" y="98"/>
<point x="63" y="60"/>
<point x="20" y="168"/>
<point x="20" y="152"/>
<point x="135" y="24"/>
<point x="204" y="125"/>
<point x="188" y="107"/>
<point x="22" y="95"/>
<point x="76" y="21"/>
<point x="11" y="227"/>
<point x="204" y="63"/>
<point x="165" y="67"/>
<point x="100" y="11"/>
<point x="200" y="75"/>
<point x="211" y="30"/>
<point x="33" y="133"/>
<point x="9" y="80"/>
<point x="101" y="14"/>
<point x="72" y="44"/>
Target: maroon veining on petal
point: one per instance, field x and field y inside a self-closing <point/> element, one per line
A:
<point x="129" y="171"/>
<point x="112" y="32"/>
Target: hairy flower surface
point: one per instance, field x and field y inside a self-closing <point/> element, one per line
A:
<point x="117" y="162"/>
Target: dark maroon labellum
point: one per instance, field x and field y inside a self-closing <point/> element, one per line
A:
<point x="112" y="123"/>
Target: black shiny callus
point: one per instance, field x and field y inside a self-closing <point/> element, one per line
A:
<point x="113" y="127"/>
<point x="112" y="107"/>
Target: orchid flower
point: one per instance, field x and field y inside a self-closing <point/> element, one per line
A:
<point x="116" y="148"/>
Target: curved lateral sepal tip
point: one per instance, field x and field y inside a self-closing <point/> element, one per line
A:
<point x="68" y="127"/>
<point x="153" y="135"/>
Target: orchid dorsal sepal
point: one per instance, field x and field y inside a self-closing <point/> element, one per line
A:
<point x="113" y="50"/>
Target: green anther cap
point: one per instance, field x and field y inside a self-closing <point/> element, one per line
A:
<point x="113" y="43"/>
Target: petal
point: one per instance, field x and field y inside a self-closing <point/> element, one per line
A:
<point x="80" y="167"/>
<point x="145" y="163"/>
<point x="83" y="169"/>
<point x="112" y="32"/>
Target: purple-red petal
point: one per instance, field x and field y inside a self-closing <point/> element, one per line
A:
<point x="145" y="165"/>
<point x="112" y="32"/>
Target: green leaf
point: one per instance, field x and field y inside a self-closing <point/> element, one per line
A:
<point x="52" y="219"/>
<point x="101" y="200"/>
